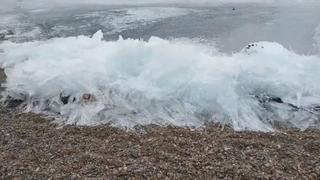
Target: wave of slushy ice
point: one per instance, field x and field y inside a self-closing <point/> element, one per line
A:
<point x="89" y="81"/>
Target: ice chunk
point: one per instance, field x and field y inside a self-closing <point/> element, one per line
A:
<point x="98" y="36"/>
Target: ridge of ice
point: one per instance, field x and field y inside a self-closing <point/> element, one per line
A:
<point x="136" y="82"/>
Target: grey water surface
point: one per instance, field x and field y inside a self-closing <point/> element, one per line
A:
<point x="230" y="27"/>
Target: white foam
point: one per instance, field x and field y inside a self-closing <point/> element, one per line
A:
<point x="163" y="82"/>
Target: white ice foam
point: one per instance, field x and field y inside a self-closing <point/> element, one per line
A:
<point x="163" y="82"/>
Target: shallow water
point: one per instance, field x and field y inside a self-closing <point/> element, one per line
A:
<point x="295" y="27"/>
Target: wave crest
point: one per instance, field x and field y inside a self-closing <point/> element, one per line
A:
<point x="130" y="82"/>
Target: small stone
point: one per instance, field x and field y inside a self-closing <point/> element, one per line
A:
<point x="134" y="154"/>
<point x="89" y="97"/>
<point x="64" y="98"/>
<point x="73" y="177"/>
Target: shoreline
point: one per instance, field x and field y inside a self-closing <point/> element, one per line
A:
<point x="34" y="147"/>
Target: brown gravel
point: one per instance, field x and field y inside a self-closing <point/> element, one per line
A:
<point x="32" y="147"/>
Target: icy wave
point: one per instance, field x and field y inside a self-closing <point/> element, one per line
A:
<point x="89" y="81"/>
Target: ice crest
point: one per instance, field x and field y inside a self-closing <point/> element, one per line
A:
<point x="134" y="82"/>
<point x="98" y="36"/>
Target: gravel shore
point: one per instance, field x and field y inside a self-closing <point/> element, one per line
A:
<point x="32" y="147"/>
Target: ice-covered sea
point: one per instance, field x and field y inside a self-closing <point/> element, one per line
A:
<point x="253" y="66"/>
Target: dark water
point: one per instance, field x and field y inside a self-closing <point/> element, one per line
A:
<point x="230" y="29"/>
